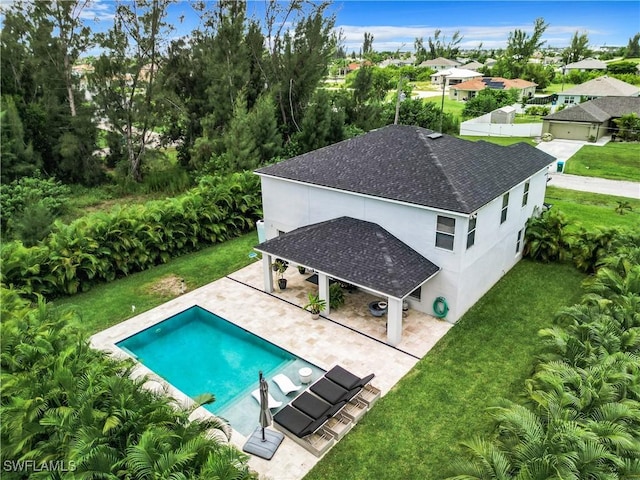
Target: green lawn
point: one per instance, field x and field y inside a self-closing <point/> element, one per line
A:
<point x="110" y="303"/>
<point x="557" y="88"/>
<point x="450" y="106"/>
<point x="500" y="140"/>
<point x="617" y="161"/>
<point x="593" y="209"/>
<point x="416" y="429"/>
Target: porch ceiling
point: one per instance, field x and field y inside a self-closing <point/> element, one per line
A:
<point x="357" y="252"/>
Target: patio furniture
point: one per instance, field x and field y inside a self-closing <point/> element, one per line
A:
<point x="285" y="384"/>
<point x="315" y="407"/>
<point x="346" y="379"/>
<point x="304" y="430"/>
<point x="378" y="309"/>
<point x="354" y="407"/>
<point x="305" y="374"/>
<point x="273" y="403"/>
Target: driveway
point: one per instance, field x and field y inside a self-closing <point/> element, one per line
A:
<point x="565" y="149"/>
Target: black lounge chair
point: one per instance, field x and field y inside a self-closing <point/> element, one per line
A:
<point x="346" y="379"/>
<point x="332" y="392"/>
<point x="316" y="407"/>
<point x="297" y="422"/>
<point x="316" y="435"/>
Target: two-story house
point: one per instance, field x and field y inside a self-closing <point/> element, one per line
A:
<point x="404" y="213"/>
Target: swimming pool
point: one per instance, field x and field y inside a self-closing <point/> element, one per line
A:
<point x="199" y="352"/>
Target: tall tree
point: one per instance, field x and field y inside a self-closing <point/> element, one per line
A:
<point x="577" y="50"/>
<point x="298" y="56"/>
<point x="124" y="77"/>
<point x="440" y="46"/>
<point x="367" y="45"/>
<point x="633" y="47"/>
<point x="16" y="157"/>
<point x="73" y="38"/>
<point x="520" y="47"/>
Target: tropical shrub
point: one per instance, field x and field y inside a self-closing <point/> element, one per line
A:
<point x="104" y="246"/>
<point x="27" y="193"/>
<point x="336" y="296"/>
<point x="580" y="417"/>
<point x="64" y="402"/>
<point x="545" y="238"/>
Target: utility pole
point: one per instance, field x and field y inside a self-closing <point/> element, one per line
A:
<point x="443" y="80"/>
<point x="395" y="121"/>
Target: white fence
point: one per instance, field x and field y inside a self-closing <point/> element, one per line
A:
<point x="482" y="127"/>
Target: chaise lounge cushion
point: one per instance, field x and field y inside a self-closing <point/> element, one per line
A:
<point x="346" y="379"/>
<point x="311" y="405"/>
<point x="297" y="422"/>
<point x="331" y="392"/>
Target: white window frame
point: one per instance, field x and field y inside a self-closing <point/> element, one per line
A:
<point x="525" y="194"/>
<point x="445" y="233"/>
<point x="505" y="208"/>
<point x="519" y="240"/>
<point x="471" y="232"/>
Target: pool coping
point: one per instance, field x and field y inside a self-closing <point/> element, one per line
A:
<point x="326" y="343"/>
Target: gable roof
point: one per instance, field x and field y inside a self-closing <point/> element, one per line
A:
<point x="336" y="247"/>
<point x="417" y="166"/>
<point x="604" y="86"/>
<point x="440" y="61"/>
<point x="587" y="64"/>
<point x="456" y="73"/>
<point x="598" y="110"/>
<point x="496" y="83"/>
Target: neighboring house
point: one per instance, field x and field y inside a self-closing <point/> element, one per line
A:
<point x="586" y="65"/>
<point x="405" y="214"/>
<point x="440" y="64"/>
<point x="397" y="62"/>
<point x="472" y="65"/>
<point x="470" y="88"/>
<point x="598" y="87"/>
<point x="590" y="120"/>
<point x="453" y="76"/>
<point x="490" y="62"/>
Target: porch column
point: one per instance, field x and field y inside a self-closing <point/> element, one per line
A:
<point x="267" y="276"/>
<point x="394" y="321"/>
<point x="323" y="291"/>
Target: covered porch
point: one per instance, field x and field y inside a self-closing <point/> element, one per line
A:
<point x="354" y="252"/>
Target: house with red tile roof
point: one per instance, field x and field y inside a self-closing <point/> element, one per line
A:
<point x="469" y="89"/>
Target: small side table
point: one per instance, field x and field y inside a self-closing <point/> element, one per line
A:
<point x="305" y="374"/>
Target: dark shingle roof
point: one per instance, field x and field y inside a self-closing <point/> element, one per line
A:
<point x="354" y="251"/>
<point x="404" y="163"/>
<point x="598" y="110"/>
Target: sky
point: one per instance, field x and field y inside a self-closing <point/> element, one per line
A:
<point x="396" y="24"/>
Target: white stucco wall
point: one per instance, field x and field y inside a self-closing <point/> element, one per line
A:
<point x="466" y="274"/>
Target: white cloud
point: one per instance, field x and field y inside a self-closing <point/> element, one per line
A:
<point x="391" y="38"/>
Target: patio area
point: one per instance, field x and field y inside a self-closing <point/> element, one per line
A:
<point x="350" y="336"/>
<point x="420" y="331"/>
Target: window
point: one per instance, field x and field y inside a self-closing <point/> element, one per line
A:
<point x="525" y="195"/>
<point x="445" y="231"/>
<point x="519" y="240"/>
<point x="471" y="235"/>
<point x="505" y="205"/>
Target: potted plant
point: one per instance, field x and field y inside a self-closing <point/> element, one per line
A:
<point x="302" y="270"/>
<point x="315" y="305"/>
<point x="281" y="267"/>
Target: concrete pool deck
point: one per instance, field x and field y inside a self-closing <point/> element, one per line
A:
<point x="349" y="336"/>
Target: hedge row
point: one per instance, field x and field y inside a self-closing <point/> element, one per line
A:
<point x="104" y="246"/>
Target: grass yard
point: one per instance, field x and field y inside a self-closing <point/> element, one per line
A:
<point x="110" y="303"/>
<point x="617" y="161"/>
<point x="592" y="209"/>
<point x="450" y="106"/>
<point x="558" y="88"/>
<point x="416" y="429"/>
<point x="500" y="140"/>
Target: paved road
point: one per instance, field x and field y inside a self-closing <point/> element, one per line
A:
<point x="565" y="149"/>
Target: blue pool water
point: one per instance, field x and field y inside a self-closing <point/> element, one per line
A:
<point x="199" y="352"/>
